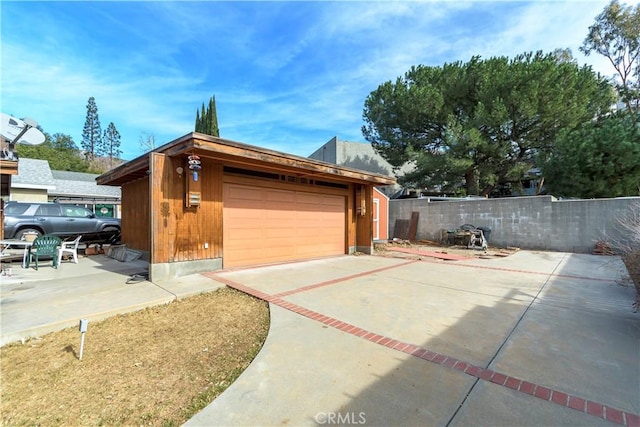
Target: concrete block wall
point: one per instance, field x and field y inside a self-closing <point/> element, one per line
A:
<point x="537" y="222"/>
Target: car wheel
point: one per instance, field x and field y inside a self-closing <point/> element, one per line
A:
<point x="20" y="235"/>
<point x="115" y="234"/>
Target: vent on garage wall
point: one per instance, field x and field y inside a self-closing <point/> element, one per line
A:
<point x="331" y="184"/>
<point x="283" y="178"/>
<point x="255" y="174"/>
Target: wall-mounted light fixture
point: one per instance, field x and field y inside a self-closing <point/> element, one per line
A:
<point x="179" y="170"/>
<point x="193" y="195"/>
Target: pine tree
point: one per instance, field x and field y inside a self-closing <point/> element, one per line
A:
<point x="207" y="121"/>
<point x="111" y="141"/>
<point x="92" y="133"/>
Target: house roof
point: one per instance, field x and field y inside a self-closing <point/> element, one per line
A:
<point x="240" y="154"/>
<point x="33" y="173"/>
<point x="74" y="184"/>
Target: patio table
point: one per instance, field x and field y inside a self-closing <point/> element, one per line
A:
<point x="6" y="244"/>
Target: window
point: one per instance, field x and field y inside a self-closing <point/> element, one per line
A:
<point x="15" y="208"/>
<point x="76" y="211"/>
<point x="48" y="210"/>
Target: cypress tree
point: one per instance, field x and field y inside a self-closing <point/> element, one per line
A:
<point x="212" y="118"/>
<point x="207" y="121"/>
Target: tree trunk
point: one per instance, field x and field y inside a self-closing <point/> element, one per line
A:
<point x="471" y="182"/>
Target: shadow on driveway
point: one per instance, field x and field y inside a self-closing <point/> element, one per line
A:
<point x="533" y="339"/>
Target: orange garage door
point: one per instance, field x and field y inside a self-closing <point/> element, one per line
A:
<point x="264" y="225"/>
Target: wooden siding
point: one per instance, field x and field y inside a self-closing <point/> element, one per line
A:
<point x="351" y="218"/>
<point x="135" y="215"/>
<point x="183" y="233"/>
<point x="364" y="223"/>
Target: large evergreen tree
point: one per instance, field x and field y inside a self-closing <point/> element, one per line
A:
<point x="599" y="159"/>
<point x="616" y="35"/>
<point x="111" y="143"/>
<point x="92" y="133"/>
<point x="207" y="121"/>
<point x="478" y="126"/>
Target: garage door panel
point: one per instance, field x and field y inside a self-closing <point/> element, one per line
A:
<point x="245" y="194"/>
<point x="282" y="245"/>
<point x="279" y="215"/>
<point x="246" y="234"/>
<point x="246" y="211"/>
<point x="277" y="225"/>
<point x="276" y="235"/>
<point x="286" y="197"/>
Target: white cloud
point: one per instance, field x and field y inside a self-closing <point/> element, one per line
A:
<point x="284" y="74"/>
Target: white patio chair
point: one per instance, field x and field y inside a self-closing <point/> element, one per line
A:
<point x="70" y="248"/>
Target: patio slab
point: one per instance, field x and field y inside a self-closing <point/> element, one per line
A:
<point x="530" y="360"/>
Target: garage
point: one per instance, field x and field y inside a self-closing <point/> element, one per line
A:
<point x="202" y="203"/>
<point x="264" y="225"/>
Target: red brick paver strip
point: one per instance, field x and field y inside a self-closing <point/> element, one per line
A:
<point x="553" y="396"/>
<point x="341" y="279"/>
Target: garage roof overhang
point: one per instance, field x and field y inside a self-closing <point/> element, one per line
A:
<point x="241" y="155"/>
<point x="7" y="168"/>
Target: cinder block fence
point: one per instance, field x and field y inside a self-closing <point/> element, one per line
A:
<point x="539" y="222"/>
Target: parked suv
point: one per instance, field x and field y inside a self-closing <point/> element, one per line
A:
<point x="62" y="220"/>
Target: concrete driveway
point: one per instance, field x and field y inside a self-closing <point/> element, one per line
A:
<point x="538" y="338"/>
<point x="533" y="339"/>
<point x="33" y="303"/>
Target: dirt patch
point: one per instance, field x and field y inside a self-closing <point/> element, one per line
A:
<point x="158" y="366"/>
<point x="434" y="247"/>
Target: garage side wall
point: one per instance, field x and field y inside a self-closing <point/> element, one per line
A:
<point x="135" y="215"/>
<point x="364" y="218"/>
<point x="540" y="222"/>
<point x="185" y="239"/>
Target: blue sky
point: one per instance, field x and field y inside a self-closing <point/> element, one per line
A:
<point x="286" y="75"/>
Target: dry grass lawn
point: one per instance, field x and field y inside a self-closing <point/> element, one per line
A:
<point x="158" y="366"/>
